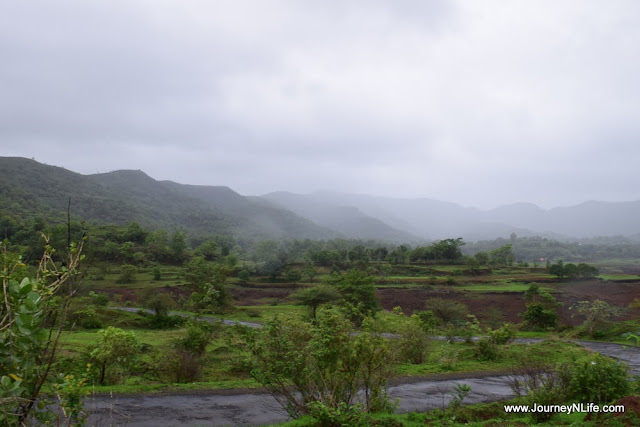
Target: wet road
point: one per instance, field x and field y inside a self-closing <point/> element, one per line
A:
<point x="247" y="409"/>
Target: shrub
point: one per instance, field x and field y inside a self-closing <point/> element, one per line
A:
<point x="487" y="349"/>
<point x="598" y="379"/>
<point x="127" y="274"/>
<point x="198" y="335"/>
<point x="342" y="415"/>
<point x="114" y="352"/>
<point x="413" y="344"/>
<point x="178" y="365"/>
<point x="503" y="335"/>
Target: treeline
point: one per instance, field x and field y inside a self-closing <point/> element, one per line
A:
<point x="135" y="245"/>
<point x="529" y="249"/>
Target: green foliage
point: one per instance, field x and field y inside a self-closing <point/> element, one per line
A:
<point x="157" y="273"/>
<point x="197" y="336"/>
<point x="541" y="309"/>
<point x="413" y="341"/>
<point x="302" y="363"/>
<point x="482" y="258"/>
<point x="116" y="348"/>
<point x="592" y="378"/>
<point x="342" y="415"/>
<point x="596" y="314"/>
<point x="159" y="302"/>
<point x="27" y="346"/>
<point x="208" y="280"/>
<point x="561" y="270"/>
<point x="447" y="312"/>
<point x="502" y="256"/>
<point x="427" y="320"/>
<point x="460" y="393"/>
<point x="244" y="275"/>
<point x="487" y="349"/>
<point x="503" y="335"/>
<point x="358" y="294"/>
<point x="178" y="245"/>
<point x="100" y="300"/>
<point x="293" y="276"/>
<point x="316" y="296"/>
<point x="538" y="317"/>
<point x="597" y="379"/>
<point x="127" y="274"/>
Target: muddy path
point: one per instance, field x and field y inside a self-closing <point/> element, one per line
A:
<point x="246" y="408"/>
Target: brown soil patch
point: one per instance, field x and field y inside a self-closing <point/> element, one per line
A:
<point x="511" y="304"/>
<point x="628" y="417"/>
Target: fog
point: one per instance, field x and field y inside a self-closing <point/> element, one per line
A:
<point x="478" y="103"/>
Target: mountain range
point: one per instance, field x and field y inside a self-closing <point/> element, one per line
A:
<point x="29" y="188"/>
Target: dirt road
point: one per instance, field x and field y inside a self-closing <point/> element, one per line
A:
<point x="229" y="408"/>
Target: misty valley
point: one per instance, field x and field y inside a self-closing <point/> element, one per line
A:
<point x="131" y="301"/>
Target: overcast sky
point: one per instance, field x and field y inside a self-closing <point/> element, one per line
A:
<point x="477" y="102"/>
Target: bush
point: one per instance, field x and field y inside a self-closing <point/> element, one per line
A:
<point x="503" y="335"/>
<point x="163" y="321"/>
<point x="487" y="349"/>
<point x="593" y="378"/>
<point x="342" y="415"/>
<point x="414" y="341"/>
<point x="198" y="336"/>
<point x="87" y="319"/>
<point x="178" y="365"/>
<point x="127" y="274"/>
<point x="598" y="379"/>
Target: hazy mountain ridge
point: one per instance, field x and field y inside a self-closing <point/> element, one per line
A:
<point x="434" y="219"/>
<point x="347" y="220"/>
<point x="29" y="188"/>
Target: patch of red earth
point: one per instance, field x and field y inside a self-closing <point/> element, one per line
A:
<point x="629" y="416"/>
<point x="511" y="304"/>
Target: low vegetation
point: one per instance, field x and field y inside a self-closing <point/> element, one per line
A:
<point x="328" y="347"/>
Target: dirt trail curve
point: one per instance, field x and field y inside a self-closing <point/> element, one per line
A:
<point x="242" y="408"/>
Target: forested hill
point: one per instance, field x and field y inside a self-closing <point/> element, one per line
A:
<point x="31" y="189"/>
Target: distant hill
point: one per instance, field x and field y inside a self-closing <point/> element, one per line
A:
<point x="347" y="220"/>
<point x="434" y="219"/>
<point x="29" y="189"/>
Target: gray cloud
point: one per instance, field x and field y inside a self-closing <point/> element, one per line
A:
<point x="480" y="103"/>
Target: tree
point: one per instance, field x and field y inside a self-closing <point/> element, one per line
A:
<point x="447" y="312"/>
<point x="293" y="276"/>
<point x="159" y="302"/>
<point x="586" y="270"/>
<point x="134" y="233"/>
<point x="596" y="314"/>
<point x="302" y="364"/>
<point x="27" y="346"/>
<point x="244" y="275"/>
<point x="127" y="274"/>
<point x="310" y="273"/>
<point x="541" y="308"/>
<point x="557" y="269"/>
<point x="178" y="245"/>
<point x="482" y="258"/>
<point x="156" y="245"/>
<point x="358" y="294"/>
<point x="209" y="250"/>
<point x="115" y="348"/>
<point x="316" y="296"/>
<point x="448" y="249"/>
<point x="208" y="284"/>
<point x="502" y="256"/>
